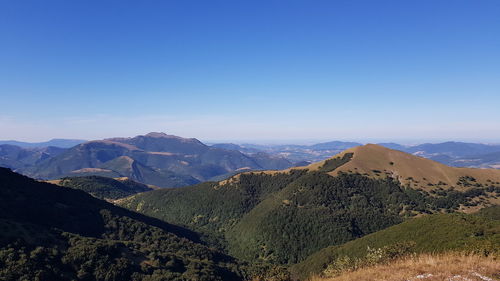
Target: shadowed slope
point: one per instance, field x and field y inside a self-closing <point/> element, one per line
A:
<point x="56" y="233"/>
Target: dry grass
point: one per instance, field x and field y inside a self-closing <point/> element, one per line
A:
<point x="452" y="267"/>
<point x="424" y="171"/>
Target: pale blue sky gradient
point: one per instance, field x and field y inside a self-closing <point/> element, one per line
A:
<point x="251" y="70"/>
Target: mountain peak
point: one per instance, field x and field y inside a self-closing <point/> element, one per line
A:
<point x="378" y="161"/>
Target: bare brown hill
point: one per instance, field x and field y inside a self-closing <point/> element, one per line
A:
<point x="411" y="170"/>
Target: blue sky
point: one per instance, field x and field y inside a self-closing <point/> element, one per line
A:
<point x="251" y="70"/>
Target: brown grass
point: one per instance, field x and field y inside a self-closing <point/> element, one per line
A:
<point x="428" y="267"/>
<point x="402" y="165"/>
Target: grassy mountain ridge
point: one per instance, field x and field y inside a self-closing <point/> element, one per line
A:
<point x="413" y="170"/>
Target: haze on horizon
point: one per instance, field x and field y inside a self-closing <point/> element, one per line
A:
<point x="258" y="70"/>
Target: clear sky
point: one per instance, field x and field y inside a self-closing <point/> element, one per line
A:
<point x="250" y="70"/>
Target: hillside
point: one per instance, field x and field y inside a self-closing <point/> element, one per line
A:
<point x="272" y="215"/>
<point x="156" y="158"/>
<point x="56" y="233"/>
<point x="410" y="170"/>
<point x="103" y="187"/>
<point x="428" y="234"/>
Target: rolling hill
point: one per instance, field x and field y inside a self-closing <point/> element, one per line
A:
<point x="104" y="187"/>
<point x="272" y="215"/>
<point x="156" y="158"/>
<point x="56" y="233"/>
<point x="417" y="172"/>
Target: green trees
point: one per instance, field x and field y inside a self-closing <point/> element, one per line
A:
<point x="104" y="188"/>
<point x="53" y="233"/>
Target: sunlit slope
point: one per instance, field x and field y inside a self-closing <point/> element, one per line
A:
<point x="417" y="172"/>
<point x="429" y="267"/>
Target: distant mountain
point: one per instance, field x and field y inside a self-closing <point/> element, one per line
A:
<point x="489" y="160"/>
<point x="334" y="145"/>
<point x="57" y="233"/>
<point x="393" y="145"/>
<point x="284" y="216"/>
<point x="458" y="154"/>
<point x="63" y="143"/>
<point x="19" y="158"/>
<point x="294" y="153"/>
<point x="156" y="158"/>
<point x="232" y="146"/>
<point x="453" y="149"/>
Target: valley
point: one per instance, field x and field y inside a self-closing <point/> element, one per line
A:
<point x="290" y="223"/>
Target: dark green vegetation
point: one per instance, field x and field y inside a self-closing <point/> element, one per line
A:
<point x="211" y="208"/>
<point x="55" y="233"/>
<point x="428" y="234"/>
<point x="334" y="163"/>
<point x="492" y="212"/>
<point x="284" y="217"/>
<point x="156" y="158"/>
<point x="105" y="188"/>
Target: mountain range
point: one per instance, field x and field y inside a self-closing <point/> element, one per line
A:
<point x="156" y="158"/>
<point x="170" y="161"/>
<point x="16" y="157"/>
<point x="255" y="225"/>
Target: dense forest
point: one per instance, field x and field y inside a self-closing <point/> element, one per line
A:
<point x="56" y="233"/>
<point x="103" y="187"/>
